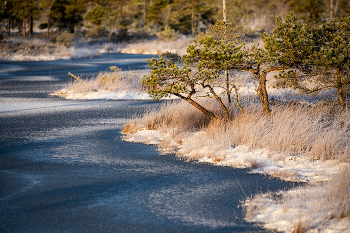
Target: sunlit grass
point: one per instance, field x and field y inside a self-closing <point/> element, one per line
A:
<point x="314" y="132"/>
<point x="110" y="81"/>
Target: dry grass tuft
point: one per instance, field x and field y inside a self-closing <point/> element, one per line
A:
<point x="178" y="115"/>
<point x="130" y="128"/>
<point x="338" y="194"/>
<point x="114" y="80"/>
<point x="169" y="117"/>
<point x="286" y="174"/>
<point x="254" y="163"/>
<point x="314" y="132"/>
<point x="299" y="228"/>
<point x="217" y="158"/>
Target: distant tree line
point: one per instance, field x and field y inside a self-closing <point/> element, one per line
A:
<point x="99" y="18"/>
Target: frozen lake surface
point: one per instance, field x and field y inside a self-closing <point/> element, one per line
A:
<point x="64" y="167"/>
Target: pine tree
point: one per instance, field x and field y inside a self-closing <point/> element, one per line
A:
<point x="327" y="63"/>
<point x="310" y="11"/>
<point x="201" y="69"/>
<point x="66" y="14"/>
<point x="283" y="50"/>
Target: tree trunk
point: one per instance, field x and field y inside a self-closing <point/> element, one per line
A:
<point x="220" y="102"/>
<point x="30" y="18"/>
<point x="9" y="26"/>
<point x="19" y="27"/>
<point x="224" y="10"/>
<point x="24" y="20"/>
<point x="144" y="19"/>
<point x="340" y="92"/>
<point x="336" y="8"/>
<point x="24" y="26"/>
<point x="48" y="24"/>
<point x="193" y="29"/>
<point x="262" y="93"/>
<point x="31" y="25"/>
<point x="145" y="13"/>
<point x="237" y="100"/>
<point x="228" y="91"/>
<point x="331" y="10"/>
<point x="206" y="112"/>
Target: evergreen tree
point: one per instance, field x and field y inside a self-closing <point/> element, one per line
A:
<point x="168" y="78"/>
<point x="327" y="61"/>
<point x="96" y="16"/>
<point x="7" y="13"/>
<point x="343" y="10"/>
<point x="285" y="49"/>
<point x="188" y="15"/>
<point x="200" y="69"/>
<point x="66" y="14"/>
<point x="155" y="11"/>
<point x="47" y="5"/>
<point x="310" y="11"/>
<point x="33" y="13"/>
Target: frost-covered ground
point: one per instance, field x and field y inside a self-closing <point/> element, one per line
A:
<point x="35" y="49"/>
<point x="19" y="49"/>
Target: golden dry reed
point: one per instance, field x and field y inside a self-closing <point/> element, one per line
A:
<point x="316" y="132"/>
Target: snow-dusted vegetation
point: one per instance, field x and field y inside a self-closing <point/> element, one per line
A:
<point x="38" y="49"/>
<point x="115" y="84"/>
<point x="41" y="49"/>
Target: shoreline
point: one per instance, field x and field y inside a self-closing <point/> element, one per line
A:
<point x="286" y="216"/>
<point x="263" y="209"/>
<point x="36" y="49"/>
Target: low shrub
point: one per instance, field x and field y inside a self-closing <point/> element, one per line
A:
<point x="97" y="32"/>
<point x="168" y="34"/>
<point x="65" y="39"/>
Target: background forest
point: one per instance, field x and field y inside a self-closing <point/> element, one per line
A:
<point x="138" y="19"/>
